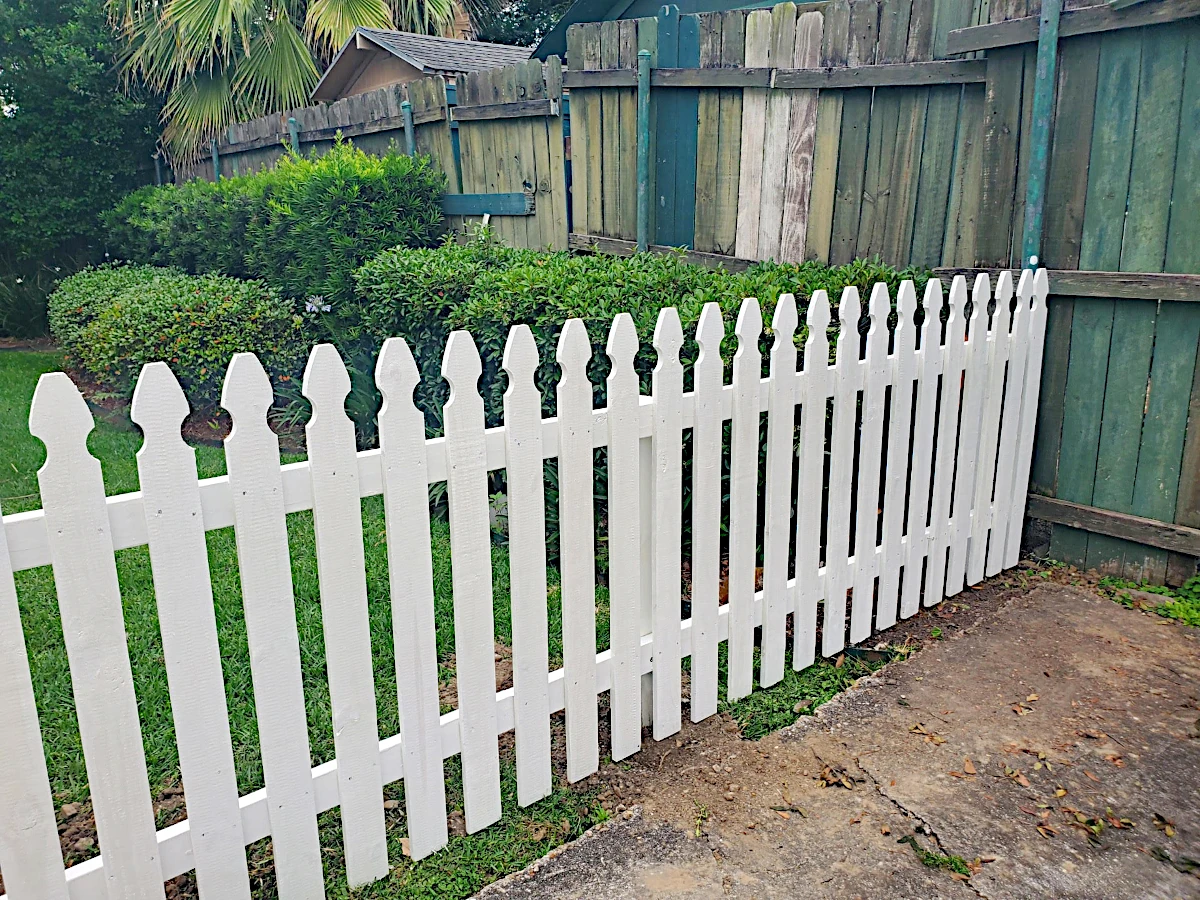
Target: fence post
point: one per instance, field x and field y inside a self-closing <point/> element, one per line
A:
<point x="643" y="150"/>
<point x="216" y="160"/>
<point x="410" y="139"/>
<point x="294" y="134"/>
<point x="157" y="169"/>
<point x="1043" y="113"/>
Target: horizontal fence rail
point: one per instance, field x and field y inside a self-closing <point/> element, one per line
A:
<point x="941" y="409"/>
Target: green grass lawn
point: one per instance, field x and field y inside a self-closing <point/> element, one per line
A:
<point x="469" y="862"/>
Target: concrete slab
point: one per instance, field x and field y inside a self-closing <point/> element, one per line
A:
<point x="1055" y="708"/>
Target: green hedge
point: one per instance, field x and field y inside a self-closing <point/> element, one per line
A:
<point x="112" y="320"/>
<point x="304" y="226"/>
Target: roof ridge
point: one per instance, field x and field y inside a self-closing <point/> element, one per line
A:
<point x="435" y="37"/>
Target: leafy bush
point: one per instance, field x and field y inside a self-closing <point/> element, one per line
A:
<point x="304" y="226"/>
<point x="113" y="320"/>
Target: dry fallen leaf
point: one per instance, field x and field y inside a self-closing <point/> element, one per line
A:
<point x="1046" y="831"/>
<point x="1091" y="776"/>
<point x="783" y="814"/>
<point x="404" y="848"/>
<point x="883" y="829"/>
<point x="1060" y="792"/>
<point x="1031" y="698"/>
<point x="968" y="767"/>
<point x="1165" y="825"/>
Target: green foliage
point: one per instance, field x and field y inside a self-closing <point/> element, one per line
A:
<point x="933" y="860"/>
<point x="113" y="320"/>
<point x="521" y="22"/>
<point x="304" y="226"/>
<point x="1181" y="603"/>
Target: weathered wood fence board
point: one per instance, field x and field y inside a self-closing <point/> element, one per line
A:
<point x="80" y="530"/>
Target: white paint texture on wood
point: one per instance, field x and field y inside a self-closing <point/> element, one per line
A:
<point x="188" y="623"/>
<point x="666" y="537"/>
<point x="264" y="564"/>
<point x="576" y="525"/>
<point x="801" y="144"/>
<point x="1014" y="392"/>
<point x="410" y="579"/>
<point x="707" y="438"/>
<point x="30" y="857"/>
<point x="470" y="547"/>
<point x="624" y="539"/>
<point x="743" y="499"/>
<point x="754" y="123"/>
<point x="815" y="386"/>
<point x="89" y="601"/>
<point x="781" y="411"/>
<point x="341" y="572"/>
<point x="527" y="565"/>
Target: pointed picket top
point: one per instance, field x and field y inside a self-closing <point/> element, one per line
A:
<point x="981" y="295"/>
<point x="520" y="357"/>
<point x="59" y="416"/>
<point x="622" y="344"/>
<point x="880" y="306"/>
<point x="326" y="382"/>
<point x="1004" y="295"/>
<point x="246" y="394"/>
<point x="749" y="326"/>
<point x="933" y="301"/>
<point x="786" y="319"/>
<point x="574" y="347"/>
<point x="460" y="364"/>
<point x="906" y="303"/>
<point x="710" y="330"/>
<point x="668" y="336"/>
<point x="849" y="312"/>
<point x="159" y="405"/>
<point x="1041" y="284"/>
<point x="817" y="345"/>
<point x="956" y="324"/>
<point x="1027" y="286"/>
<point x="396" y="373"/>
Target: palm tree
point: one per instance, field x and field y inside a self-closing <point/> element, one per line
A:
<point x="222" y="61"/>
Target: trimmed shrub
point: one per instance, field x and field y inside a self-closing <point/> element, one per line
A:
<point x="304" y="226"/>
<point x="113" y="320"/>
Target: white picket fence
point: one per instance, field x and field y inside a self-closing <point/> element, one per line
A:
<point x="964" y="480"/>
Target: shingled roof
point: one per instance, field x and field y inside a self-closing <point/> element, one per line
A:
<point x="429" y="55"/>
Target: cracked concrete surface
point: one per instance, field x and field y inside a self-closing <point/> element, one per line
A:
<point x="1056" y="709"/>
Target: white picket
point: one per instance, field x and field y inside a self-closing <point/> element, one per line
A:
<point x="954" y="355"/>
<point x="929" y="367"/>
<point x="527" y="565"/>
<point x="470" y="548"/>
<point x="708" y="377"/>
<point x="866" y="527"/>
<point x="781" y="416"/>
<point x="1005" y="492"/>
<point x="903" y="364"/>
<point x="410" y="578"/>
<point x="666" y="536"/>
<point x="624" y="540"/>
<point x="188" y="623"/>
<point x="264" y="564"/>
<point x="974" y="393"/>
<point x="743" y="500"/>
<point x="813" y="395"/>
<point x="848" y="378"/>
<point x="1034" y="290"/>
<point x="89" y="601"/>
<point x="985" y="466"/>
<point x="30" y="857"/>
<point x="754" y="123"/>
<point x="341" y="573"/>
<point x="577" y="554"/>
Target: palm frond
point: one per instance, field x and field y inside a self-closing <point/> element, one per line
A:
<point x="279" y="72"/>
<point x="423" y="16"/>
<point x="213" y="29"/>
<point x="329" y="23"/>
<point x="196" y="110"/>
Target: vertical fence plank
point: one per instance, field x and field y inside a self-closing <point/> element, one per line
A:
<point x="781" y="418"/>
<point x="581" y="116"/>
<point x="870" y="454"/>
<point x="775" y="134"/>
<point x="974" y="392"/>
<point x="743" y="499"/>
<point x="30" y="857"/>
<point x="903" y="365"/>
<point x="624" y="540"/>
<point x="754" y="123"/>
<point x="929" y="368"/>
<point x="985" y="468"/>
<point x="815" y="386"/>
<point x="404" y="463"/>
<point x="1006" y="494"/>
<point x="593" y="186"/>
<point x="835" y="43"/>
<point x="578" y="552"/>
<point x="89" y="601"/>
<point x="707" y="436"/>
<point x="470" y="548"/>
<point x="667" y="381"/>
<point x="187" y="620"/>
<point x="260" y="530"/>
<point x="708" y="136"/>
<point x="1033" y="292"/>
<point x="341" y="572"/>
<point x="556" y="230"/>
<point x="798" y="187"/>
<point x="729" y="152"/>
<point x="527" y="565"/>
<point x="628" y="133"/>
<point x="841" y="471"/>
<point x="953" y="358"/>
